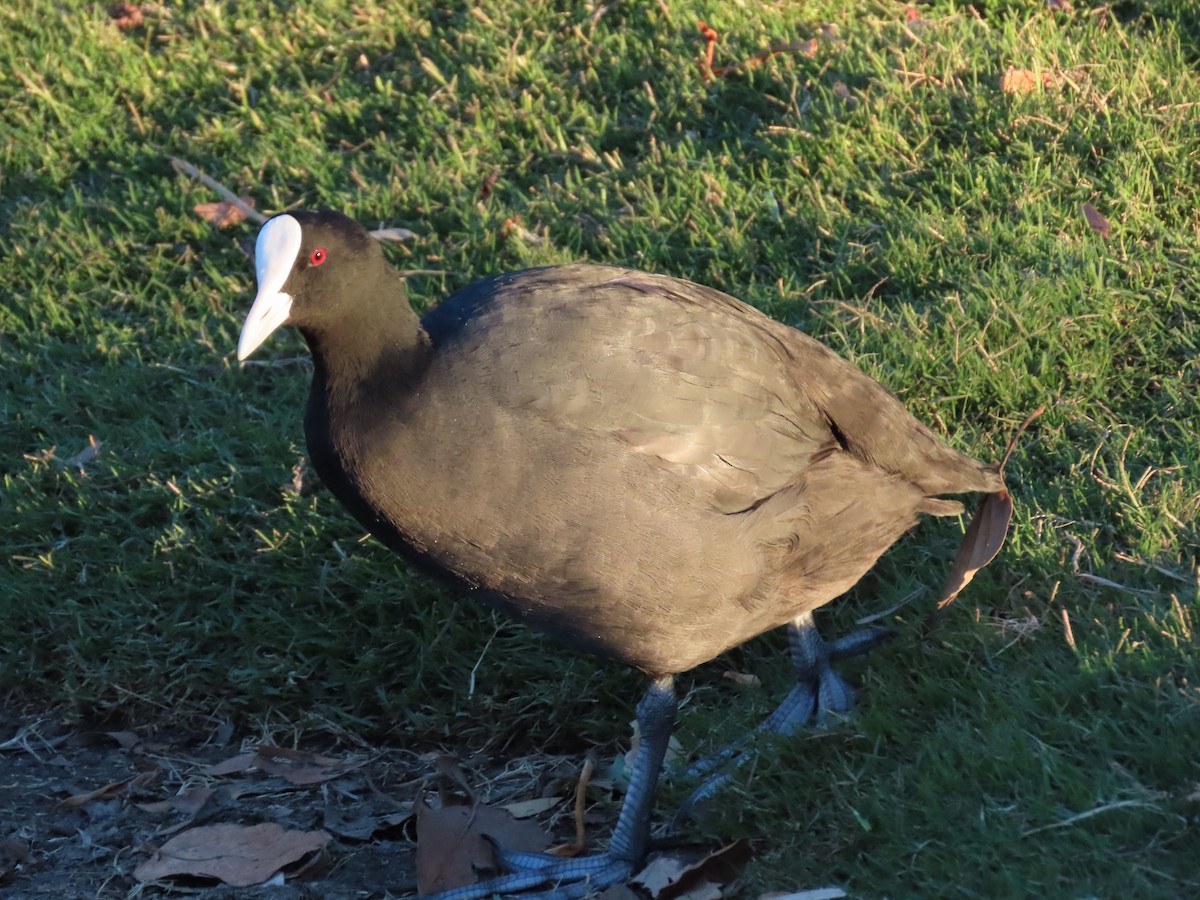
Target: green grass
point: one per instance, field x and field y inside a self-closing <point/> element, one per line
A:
<point x="884" y="194"/>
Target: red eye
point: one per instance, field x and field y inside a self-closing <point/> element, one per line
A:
<point x="318" y="257"/>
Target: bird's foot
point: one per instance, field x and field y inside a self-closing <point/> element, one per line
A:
<point x="566" y="878"/>
<point x="820" y="691"/>
<point x="561" y="878"/>
<point x="819" y="694"/>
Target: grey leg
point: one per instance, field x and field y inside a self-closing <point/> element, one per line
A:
<point x="819" y="691"/>
<point x="577" y="877"/>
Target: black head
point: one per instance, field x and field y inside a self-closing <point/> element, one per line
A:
<point x="309" y="266"/>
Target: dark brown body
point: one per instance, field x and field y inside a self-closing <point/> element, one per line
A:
<point x="645" y="468"/>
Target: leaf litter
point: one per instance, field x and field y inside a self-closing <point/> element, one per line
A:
<point x="88" y="809"/>
<point x="296" y="766"/>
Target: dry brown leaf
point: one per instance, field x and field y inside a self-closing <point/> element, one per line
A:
<point x="489" y="182"/>
<point x="512" y="226"/>
<point x="452" y="849"/>
<point x="523" y="809"/>
<point x="677" y="875"/>
<point x="1024" y="81"/>
<point x="452" y="774"/>
<point x="113" y="789"/>
<point x="362" y="827"/>
<point x="301" y="767"/>
<point x="189" y="802"/>
<point x="1098" y="223"/>
<point x="982" y="541"/>
<point x="235" y="765"/>
<point x="126" y="15"/>
<point x="295" y="766"/>
<point x="985" y="535"/>
<point x="223" y="214"/>
<point x="240" y="855"/>
<point x="807" y="48"/>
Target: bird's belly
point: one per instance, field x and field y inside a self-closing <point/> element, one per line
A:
<point x="600" y="550"/>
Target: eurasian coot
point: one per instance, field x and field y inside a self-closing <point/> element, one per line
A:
<point x="644" y="468"/>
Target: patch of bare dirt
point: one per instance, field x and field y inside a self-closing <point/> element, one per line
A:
<point x="94" y="814"/>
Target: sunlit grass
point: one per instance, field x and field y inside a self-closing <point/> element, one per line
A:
<point x="883" y="193"/>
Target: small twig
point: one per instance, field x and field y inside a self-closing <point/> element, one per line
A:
<point x="570" y="851"/>
<point x="875" y="617"/>
<point x="581" y="804"/>
<point x="805" y="48"/>
<point x="1066" y="620"/>
<point x="229" y="196"/>
<point x="1108" y="583"/>
<point x="710" y="44"/>
<point x="600" y="12"/>
<point x="21" y="740"/>
<point x="1012" y="443"/>
<point x="381" y="234"/>
<point x="1079" y="817"/>
<point x="1163" y="570"/>
<point x="479" y="662"/>
<point x="278" y="363"/>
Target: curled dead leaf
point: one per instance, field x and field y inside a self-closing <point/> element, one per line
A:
<point x="679" y="875"/>
<point x="985" y="535"/>
<point x="454" y="843"/>
<point x="983" y="539"/>
<point x="232" y="766"/>
<point x="1096" y="220"/>
<point x="295" y="766"/>
<point x="225" y="213"/>
<point x="189" y="802"/>
<point x="361" y="826"/>
<point x="512" y="227"/>
<point x="1024" y="81"/>
<point x="126" y="15"/>
<point x="112" y="789"/>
